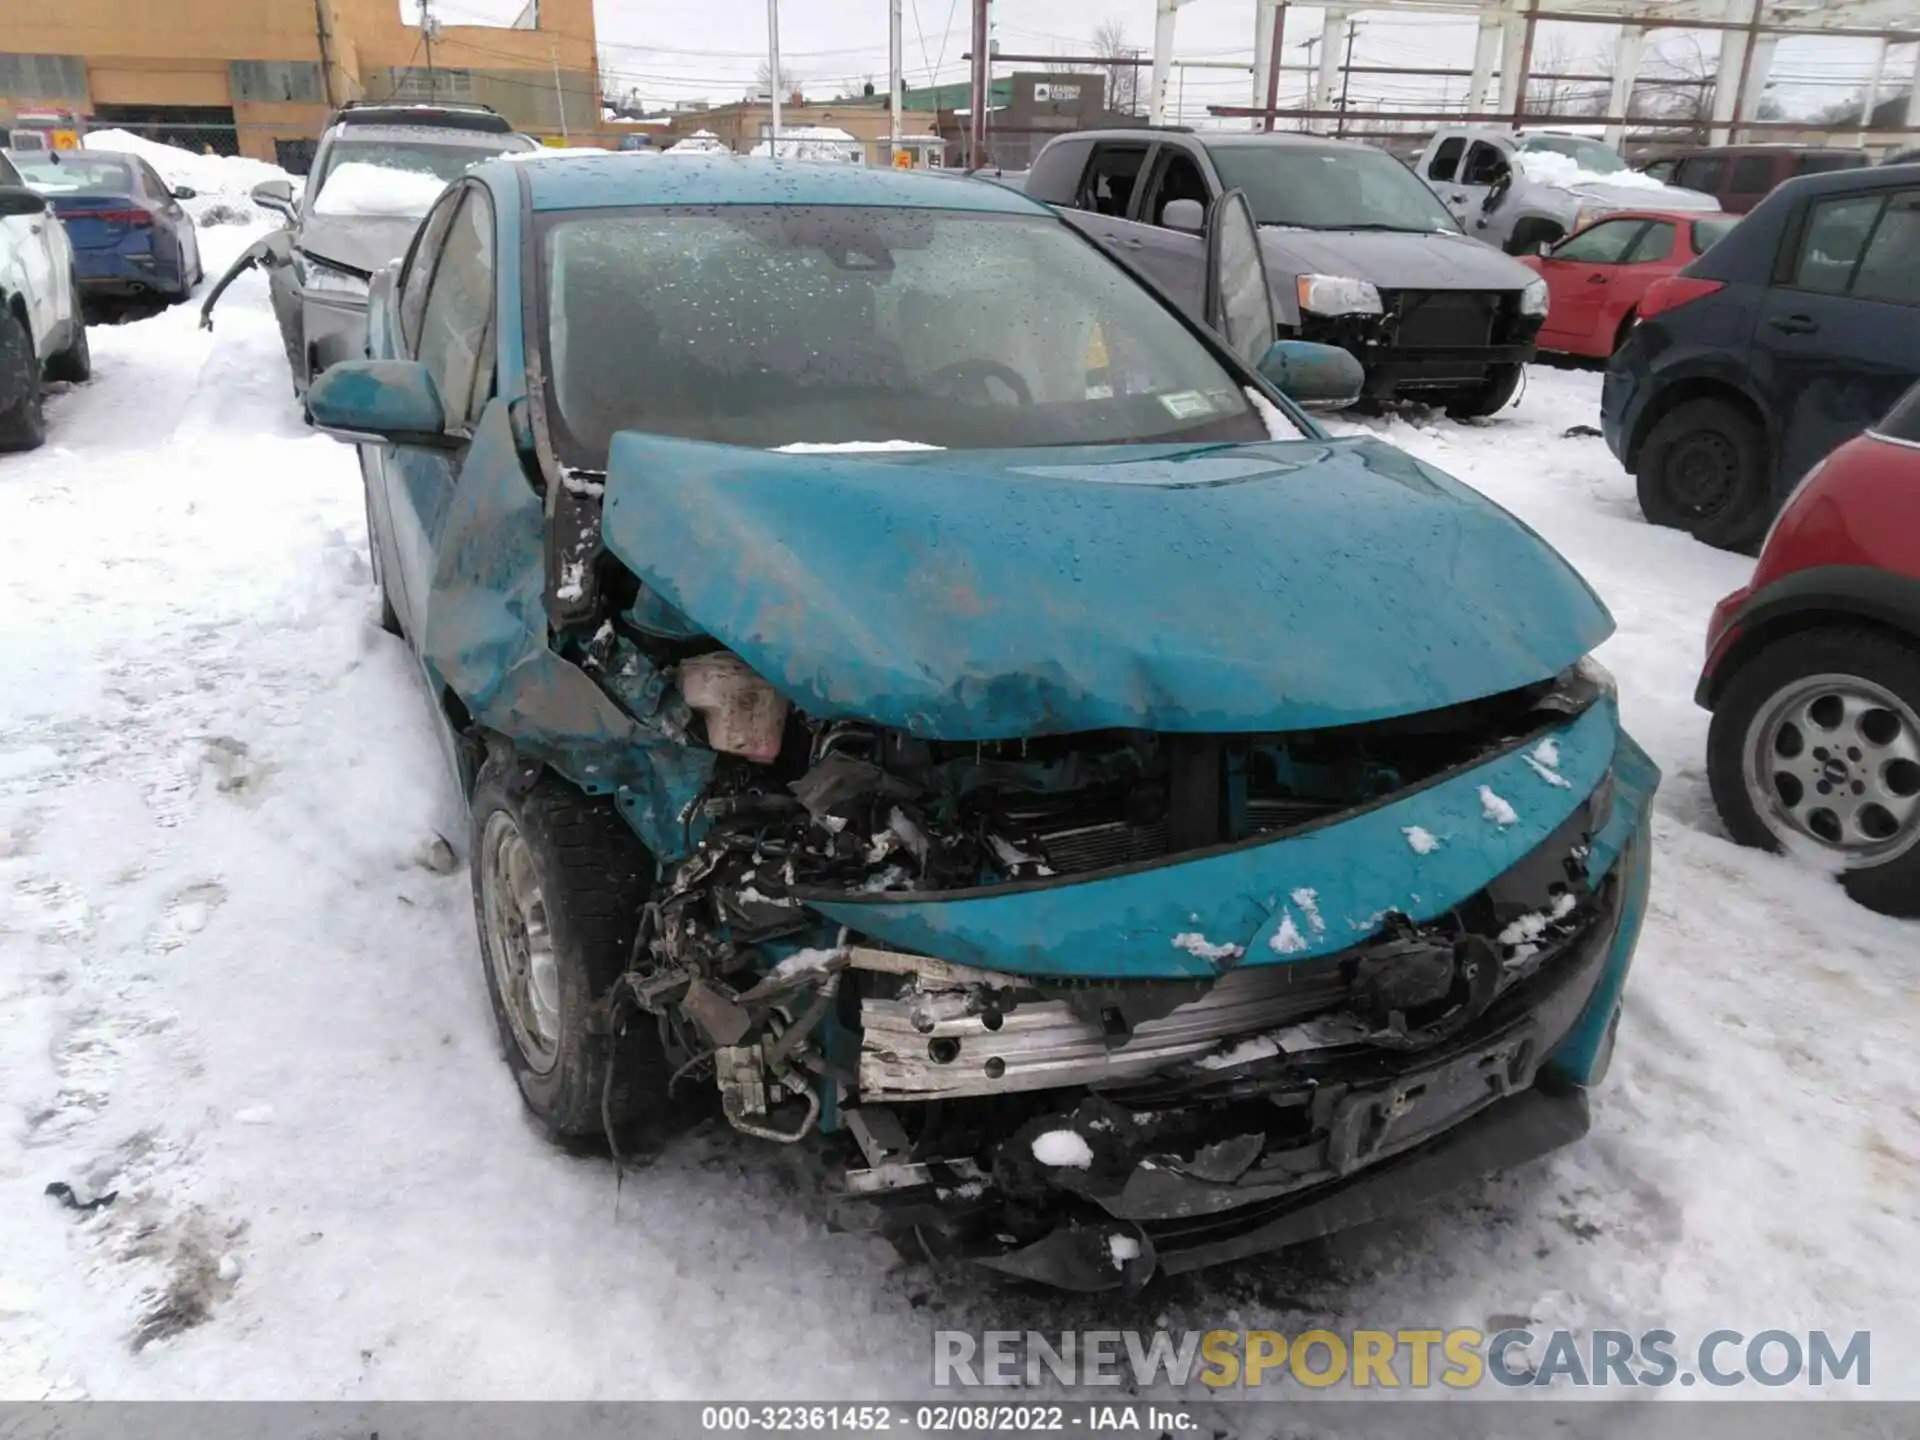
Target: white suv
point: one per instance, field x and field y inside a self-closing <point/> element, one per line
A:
<point x="42" y="334"/>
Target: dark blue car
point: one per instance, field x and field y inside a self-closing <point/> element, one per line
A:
<point x="130" y="235"/>
<point x="1783" y="341"/>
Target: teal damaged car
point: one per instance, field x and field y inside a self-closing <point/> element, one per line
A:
<point x="916" y="687"/>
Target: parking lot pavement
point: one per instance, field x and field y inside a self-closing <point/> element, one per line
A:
<point x="241" y="995"/>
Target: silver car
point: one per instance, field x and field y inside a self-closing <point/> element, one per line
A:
<point x="377" y="170"/>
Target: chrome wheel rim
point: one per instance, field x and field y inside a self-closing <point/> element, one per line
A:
<point x="519" y="941"/>
<point x="1836" y="759"/>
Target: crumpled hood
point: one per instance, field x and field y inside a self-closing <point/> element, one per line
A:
<point x="1435" y="260"/>
<point x="358" y="242"/>
<point x="991" y="595"/>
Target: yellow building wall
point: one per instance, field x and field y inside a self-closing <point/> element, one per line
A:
<point x="162" y="29"/>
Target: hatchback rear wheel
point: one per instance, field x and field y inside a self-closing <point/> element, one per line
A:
<point x="1703" y="469"/>
<point x="1816" y="740"/>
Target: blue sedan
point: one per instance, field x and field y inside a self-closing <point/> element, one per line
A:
<point x="131" y="236"/>
<point x="916" y="686"/>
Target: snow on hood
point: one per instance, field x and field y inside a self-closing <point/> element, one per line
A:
<point x="356" y="188"/>
<point x="999" y="594"/>
<point x="1550" y="167"/>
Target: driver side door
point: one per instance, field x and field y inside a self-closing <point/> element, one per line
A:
<point x="446" y="323"/>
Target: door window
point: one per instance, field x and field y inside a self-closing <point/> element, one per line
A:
<point x="1655" y="243"/>
<point x="456" y="328"/>
<point x="1890" y="268"/>
<point x="1107" y="187"/>
<point x="1446" y="160"/>
<point x="1604" y="244"/>
<point x="1752" y="175"/>
<point x="1485" y="164"/>
<point x="1836" y="234"/>
<point x="1176" y="177"/>
<point x="9" y="175"/>
<point x="1702" y="172"/>
<point x="419" y="270"/>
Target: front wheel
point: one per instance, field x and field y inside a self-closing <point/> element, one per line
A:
<point x="23" y="424"/>
<point x="1703" y="469"/>
<point x="1816" y="740"/>
<point x="1489" y="397"/>
<point x="558" y="884"/>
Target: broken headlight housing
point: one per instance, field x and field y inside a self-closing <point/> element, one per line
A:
<point x="1533" y="299"/>
<point x="333" y="284"/>
<point x="1337" y="295"/>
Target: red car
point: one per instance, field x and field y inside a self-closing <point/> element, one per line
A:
<point x="1813" y="672"/>
<point x="1596" y="276"/>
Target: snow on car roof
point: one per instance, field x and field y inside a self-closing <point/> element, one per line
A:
<point x="627" y="179"/>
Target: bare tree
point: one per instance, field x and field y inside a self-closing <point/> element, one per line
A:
<point x="1548" y="94"/>
<point x="1676" y="85"/>
<point x="1123" y="81"/>
<point x="791" y="84"/>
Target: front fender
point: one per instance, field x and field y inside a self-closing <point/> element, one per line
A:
<point x="1805" y="598"/>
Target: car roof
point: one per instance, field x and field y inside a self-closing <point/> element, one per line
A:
<point x="1248" y="140"/>
<point x="1758" y="149"/>
<point x="600" y="181"/>
<point x="1653" y="212"/>
<point x="490" y="141"/>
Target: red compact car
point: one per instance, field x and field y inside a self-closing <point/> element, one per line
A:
<point x="1596" y="276"/>
<point x="1813" y="671"/>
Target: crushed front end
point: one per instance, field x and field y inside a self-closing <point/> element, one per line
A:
<point x="1089" y="1007"/>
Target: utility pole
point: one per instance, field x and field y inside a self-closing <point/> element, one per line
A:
<point x="894" y="96"/>
<point x="1346" y="78"/>
<point x="559" y="95"/>
<point x="773" y="75"/>
<point x="325" y="35"/>
<point x="982" y="85"/>
<point x="426" y="37"/>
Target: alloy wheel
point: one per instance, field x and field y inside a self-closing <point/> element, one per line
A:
<point x="519" y="941"/>
<point x="1836" y="758"/>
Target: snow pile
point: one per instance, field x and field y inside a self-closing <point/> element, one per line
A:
<point x="222" y="185"/>
<point x="1063" y="1150"/>
<point x="701" y="142"/>
<point x="1201" y="948"/>
<point x="559" y="152"/>
<point x="1496" y="809"/>
<point x="1563" y="172"/>
<point x="355" y="188"/>
<point x="814" y="142"/>
<point x="1420" y="840"/>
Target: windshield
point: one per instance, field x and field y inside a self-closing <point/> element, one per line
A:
<point x="75" y="174"/>
<point x="1590" y="155"/>
<point x="1344" y="189"/>
<point x="802" y="326"/>
<point x="393" y="177"/>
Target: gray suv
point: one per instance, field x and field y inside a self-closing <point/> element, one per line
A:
<point x="1359" y="252"/>
<point x="377" y="170"/>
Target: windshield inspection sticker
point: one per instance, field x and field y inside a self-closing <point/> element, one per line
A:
<point x="1187" y="404"/>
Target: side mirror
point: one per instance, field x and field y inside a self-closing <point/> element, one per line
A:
<point x="387" y="400"/>
<point x="18" y="200"/>
<point x="183" y="192"/>
<point x="273" y="195"/>
<point x="1314" y="377"/>
<point x="1187" y="215"/>
<point x="1239" y="303"/>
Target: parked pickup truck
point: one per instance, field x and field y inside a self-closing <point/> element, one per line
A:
<point x="1359" y="253"/>
<point x="1524" y="189"/>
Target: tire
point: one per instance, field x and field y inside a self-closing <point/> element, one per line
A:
<point x="589" y="877"/>
<point x="1749" y="749"/>
<point x="389" y="618"/>
<point x="1489" y="397"/>
<point x="23" y="423"/>
<point x="75" y="363"/>
<point x="1703" y="469"/>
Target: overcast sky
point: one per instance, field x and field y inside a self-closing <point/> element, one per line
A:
<point x="708" y="49"/>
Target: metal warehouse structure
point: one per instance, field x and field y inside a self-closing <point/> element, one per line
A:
<point x="1748" y="30"/>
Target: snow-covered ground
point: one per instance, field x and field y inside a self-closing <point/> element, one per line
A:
<point x="237" y="988"/>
